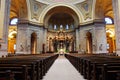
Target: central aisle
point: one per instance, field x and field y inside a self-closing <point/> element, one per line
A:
<point x="62" y="69"/>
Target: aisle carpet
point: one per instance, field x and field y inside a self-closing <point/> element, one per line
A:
<point x="62" y="69"/>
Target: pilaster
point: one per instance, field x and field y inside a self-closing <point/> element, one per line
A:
<point x="98" y="36"/>
<point x="24" y="37"/>
<point x="100" y="40"/>
<point x="77" y="40"/>
<point x="116" y="9"/>
<point x="4" y="23"/>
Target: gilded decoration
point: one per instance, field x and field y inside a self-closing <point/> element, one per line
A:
<point x="36" y="9"/>
<point x="86" y="9"/>
<point x="60" y="41"/>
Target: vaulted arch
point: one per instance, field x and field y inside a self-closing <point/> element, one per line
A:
<point x="103" y="8"/>
<point x="64" y="12"/>
<point x="18" y="9"/>
<point x="47" y="9"/>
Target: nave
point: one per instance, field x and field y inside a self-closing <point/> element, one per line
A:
<point x="62" y="69"/>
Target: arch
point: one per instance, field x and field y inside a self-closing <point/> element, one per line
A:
<point x="19" y="9"/>
<point x="103" y="8"/>
<point x="109" y="20"/>
<point x="110" y="35"/>
<point x="63" y="11"/>
<point x="42" y="16"/>
<point x="33" y="43"/>
<point x="89" y="42"/>
<point x="13" y="21"/>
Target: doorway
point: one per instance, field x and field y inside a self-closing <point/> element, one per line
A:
<point x="33" y="43"/>
<point x="89" y="42"/>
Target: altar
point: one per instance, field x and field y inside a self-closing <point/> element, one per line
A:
<point x="61" y="51"/>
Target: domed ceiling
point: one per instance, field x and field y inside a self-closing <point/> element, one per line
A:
<point x="61" y="21"/>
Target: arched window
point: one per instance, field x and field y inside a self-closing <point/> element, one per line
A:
<point x="61" y="26"/>
<point x="67" y="27"/>
<point x="14" y="21"/>
<point x="108" y="20"/>
<point x="55" y="27"/>
<point x="72" y="26"/>
<point x="50" y="26"/>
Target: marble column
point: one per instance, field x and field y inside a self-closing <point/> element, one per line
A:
<point x="77" y="40"/>
<point x="98" y="35"/>
<point x="116" y="9"/>
<point x="4" y="23"/>
<point x="99" y="40"/>
<point x="82" y="39"/>
<point x="38" y="43"/>
<point x="23" y="39"/>
<point x="45" y="39"/>
<point x="24" y="35"/>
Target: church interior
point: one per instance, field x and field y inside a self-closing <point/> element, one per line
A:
<point x="36" y="34"/>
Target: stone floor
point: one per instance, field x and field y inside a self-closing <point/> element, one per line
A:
<point x="62" y="69"/>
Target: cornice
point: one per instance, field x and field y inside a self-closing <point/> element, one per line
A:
<point x="30" y="23"/>
<point x="93" y="22"/>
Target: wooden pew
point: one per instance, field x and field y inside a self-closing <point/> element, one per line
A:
<point x="33" y="64"/>
<point x="13" y="71"/>
<point x="111" y="71"/>
<point x="90" y="66"/>
<point x="36" y="63"/>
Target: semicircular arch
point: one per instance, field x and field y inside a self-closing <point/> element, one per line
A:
<point x="43" y="14"/>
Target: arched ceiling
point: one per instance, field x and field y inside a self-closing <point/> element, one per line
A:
<point x="61" y="13"/>
<point x="104" y="8"/>
<point x="108" y="8"/>
<point x="14" y="8"/>
<point x="61" y="17"/>
<point x="18" y="9"/>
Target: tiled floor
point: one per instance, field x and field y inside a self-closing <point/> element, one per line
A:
<point x="62" y="69"/>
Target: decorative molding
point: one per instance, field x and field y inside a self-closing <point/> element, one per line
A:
<point x="30" y="23"/>
<point x="36" y="9"/>
<point x="92" y="22"/>
<point x="60" y="1"/>
<point x="87" y="23"/>
<point x="85" y="8"/>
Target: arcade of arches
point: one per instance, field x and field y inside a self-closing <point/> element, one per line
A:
<point x="39" y="26"/>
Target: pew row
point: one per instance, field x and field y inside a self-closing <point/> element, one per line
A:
<point x="96" y="67"/>
<point x="37" y="65"/>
